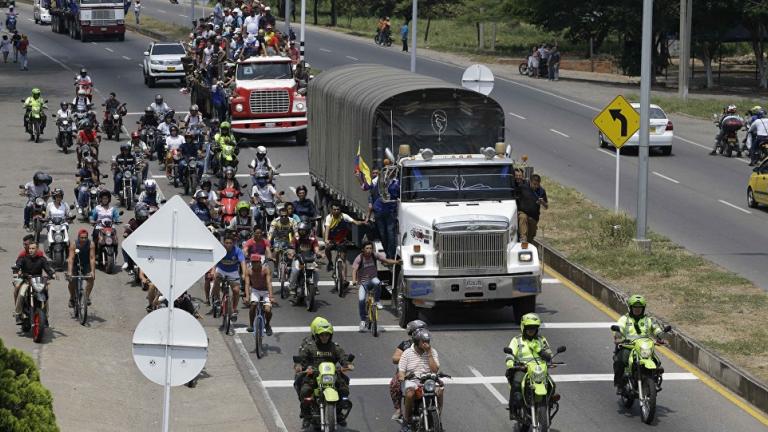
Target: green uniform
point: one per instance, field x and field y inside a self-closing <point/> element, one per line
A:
<point x="523" y="351"/>
<point x="313" y="353"/>
<point x="631" y="329"/>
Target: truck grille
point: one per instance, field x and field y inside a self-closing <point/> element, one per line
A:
<point x="103" y="23"/>
<point x="269" y="101"/>
<point x="482" y="251"/>
<point x="102" y="14"/>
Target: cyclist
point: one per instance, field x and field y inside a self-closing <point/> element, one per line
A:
<point x="335" y="232"/>
<point x="257" y="244"/>
<point x="365" y="271"/>
<point x="231" y="266"/>
<point x="282" y="230"/>
<point x="304" y="243"/>
<point x="85" y="251"/>
<point x="260" y="290"/>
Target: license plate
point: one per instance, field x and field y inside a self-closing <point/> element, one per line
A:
<point x="473" y="285"/>
<point x="103" y="29"/>
<point x="269" y="125"/>
<point x="171" y="69"/>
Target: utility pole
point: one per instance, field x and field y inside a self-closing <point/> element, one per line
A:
<point x="684" y="49"/>
<point x="414" y="40"/>
<point x="301" y="31"/>
<point x="645" y="98"/>
<point x="288" y="17"/>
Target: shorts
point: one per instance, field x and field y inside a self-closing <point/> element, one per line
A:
<point x="229" y="275"/>
<point x="259" y="296"/>
<point x="409" y="384"/>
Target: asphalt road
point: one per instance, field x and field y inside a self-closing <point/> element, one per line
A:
<point x="697" y="200"/>
<point x="470" y="344"/>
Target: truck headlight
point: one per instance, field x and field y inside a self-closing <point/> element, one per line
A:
<point x="299" y="107"/>
<point x="417" y="260"/>
<point x="239" y="107"/>
<point x="525" y="256"/>
<point x="120" y="22"/>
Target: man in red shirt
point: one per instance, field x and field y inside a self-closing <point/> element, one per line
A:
<point x="21" y="48"/>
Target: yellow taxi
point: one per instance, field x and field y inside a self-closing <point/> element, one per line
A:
<point x="757" y="190"/>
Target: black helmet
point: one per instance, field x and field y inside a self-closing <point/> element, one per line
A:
<point x="205" y="184"/>
<point x="148" y="111"/>
<point x="63" y="104"/>
<point x="38" y="178"/>
<point x="303" y="229"/>
<point x="158" y="99"/>
<point x="141" y="212"/>
<point x="83" y="72"/>
<point x="125" y="146"/>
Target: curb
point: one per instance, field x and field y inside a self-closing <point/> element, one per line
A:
<point x="721" y="370"/>
<point x="160" y="37"/>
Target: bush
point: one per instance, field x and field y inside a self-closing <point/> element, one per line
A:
<point x="25" y="405"/>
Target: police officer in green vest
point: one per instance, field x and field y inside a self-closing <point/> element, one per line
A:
<point x="526" y="347"/>
<point x="633" y="325"/>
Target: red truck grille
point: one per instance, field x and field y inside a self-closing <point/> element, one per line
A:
<point x="269" y="101"/>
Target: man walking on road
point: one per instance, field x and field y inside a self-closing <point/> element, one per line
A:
<point x="404" y="36"/>
<point x="22" y="49"/>
<point x="137" y="11"/>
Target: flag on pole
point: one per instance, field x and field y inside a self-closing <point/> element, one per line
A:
<point x="362" y="171"/>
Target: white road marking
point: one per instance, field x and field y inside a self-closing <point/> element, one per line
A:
<point x="559" y="133"/>
<point x="352" y="58"/>
<point x="325" y="50"/>
<point x="694" y="143"/>
<point x="517" y="115"/>
<point x="51" y="58"/>
<point x="289" y="174"/>
<point x="735" y="206"/>
<point x="560" y="378"/>
<point x="502" y="400"/>
<point x="549" y="281"/>
<point x="30" y="20"/>
<point x="183" y="16"/>
<point x="93" y="43"/>
<point x="161" y="11"/>
<point x="142" y="112"/>
<point x="109" y="49"/>
<point x="602" y="150"/>
<point x="545" y="92"/>
<point x="449" y="327"/>
<point x="127" y="58"/>
<point x="264" y="393"/>
<point x="665" y="177"/>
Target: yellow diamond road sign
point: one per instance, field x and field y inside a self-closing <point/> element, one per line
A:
<point x="618" y="121"/>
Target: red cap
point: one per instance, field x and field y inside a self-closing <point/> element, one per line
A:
<point x="256" y="258"/>
<point x="82" y="231"/>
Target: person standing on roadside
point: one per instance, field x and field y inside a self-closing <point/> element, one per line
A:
<point x="15" y="39"/>
<point x="528" y="207"/>
<point x="137" y="11"/>
<point x="404" y="36"/>
<point x="22" y="48"/>
<point x="554" y="64"/>
<point x="5" y="48"/>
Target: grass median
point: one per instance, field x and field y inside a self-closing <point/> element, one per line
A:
<point x="713" y="305"/>
<point x="169" y="32"/>
<point x="697" y="107"/>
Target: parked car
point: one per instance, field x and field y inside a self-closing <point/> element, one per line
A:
<point x="162" y="60"/>
<point x="661" y="132"/>
<point x="757" y="189"/>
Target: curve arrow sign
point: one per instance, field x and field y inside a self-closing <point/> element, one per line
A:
<point x="617" y="115"/>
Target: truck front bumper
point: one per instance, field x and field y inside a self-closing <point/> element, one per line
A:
<point x="426" y="291"/>
<point x="265" y="126"/>
<point x="106" y="30"/>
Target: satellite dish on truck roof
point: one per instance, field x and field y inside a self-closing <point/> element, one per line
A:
<point x="478" y="78"/>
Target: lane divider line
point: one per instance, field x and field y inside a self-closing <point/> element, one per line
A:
<point x="325" y="50"/>
<point x="691" y="142"/>
<point x="109" y="49"/>
<point x="657" y="174"/>
<point x="502" y="400"/>
<point x="517" y="115"/>
<point x="734" y="206"/>
<point x="127" y="58"/>
<point x="353" y="58"/>
<point x="65" y="67"/>
<point x="559" y="133"/>
<point x="601" y="150"/>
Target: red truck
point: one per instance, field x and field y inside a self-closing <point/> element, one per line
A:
<point x="88" y="19"/>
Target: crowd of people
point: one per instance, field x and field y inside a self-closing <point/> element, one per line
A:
<point x="544" y="62"/>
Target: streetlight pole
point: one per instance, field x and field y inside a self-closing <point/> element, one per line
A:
<point x="686" y="19"/>
<point x="414" y="19"/>
<point x="301" y="31"/>
<point x="645" y="98"/>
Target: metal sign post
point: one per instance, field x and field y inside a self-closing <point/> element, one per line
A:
<point x="303" y="23"/>
<point x="414" y="19"/>
<point x="288" y="17"/>
<point x="171" y="298"/>
<point x="645" y="98"/>
<point x="618" y="180"/>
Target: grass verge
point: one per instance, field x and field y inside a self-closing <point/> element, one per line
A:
<point x="696" y="107"/>
<point x="710" y="304"/>
<point x="169" y="32"/>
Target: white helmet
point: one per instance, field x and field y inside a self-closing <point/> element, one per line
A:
<point x="261" y="150"/>
<point x="149" y="184"/>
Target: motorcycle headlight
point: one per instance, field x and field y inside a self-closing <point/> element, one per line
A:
<point x="538" y="374"/>
<point x="429" y="386"/>
<point x="193" y="164"/>
<point x="328" y="379"/>
<point x="65" y="122"/>
<point x="40" y="202"/>
<point x="58" y="238"/>
<point x="311" y="266"/>
<point x="108" y="240"/>
<point x="646" y="352"/>
<point x="116" y="116"/>
<point x="38" y="286"/>
<point x="239" y="107"/>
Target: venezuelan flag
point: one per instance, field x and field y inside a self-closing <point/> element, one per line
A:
<point x="362" y="171"/>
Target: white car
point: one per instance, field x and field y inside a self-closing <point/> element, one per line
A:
<point x="660" y="136"/>
<point x="40" y="13"/>
<point x="162" y="60"/>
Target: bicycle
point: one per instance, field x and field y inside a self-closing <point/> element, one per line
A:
<point x="226" y="308"/>
<point x="282" y="271"/>
<point x="259" y="323"/>
<point x="371" y="310"/>
<point x="338" y="266"/>
<point x="81" y="302"/>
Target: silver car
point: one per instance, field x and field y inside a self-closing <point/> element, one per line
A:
<point x="163" y="61"/>
<point x="661" y="132"/>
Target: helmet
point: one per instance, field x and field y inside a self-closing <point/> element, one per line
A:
<point x="319" y="326"/>
<point x="158" y="99"/>
<point x="150" y="185"/>
<point x="85" y="124"/>
<point x="303" y="229"/>
<point x="225" y="125"/>
<point x="148" y="110"/>
<point x="125" y="146"/>
<point x="135" y="135"/>
<point x="83" y="72"/>
<point x="63" y="104"/>
<point x="243" y="205"/>
<point x="201" y="195"/>
<point x="422" y="335"/>
<point x="414" y="325"/>
<point x="39" y="177"/>
<point x="105" y="193"/>
<point x="261" y="151"/>
<point x="81" y="92"/>
<point x="731" y="108"/>
<point x="229" y="170"/>
<point x="530" y="320"/>
<point x="173" y="128"/>
<point x="636" y="301"/>
<point x="142" y="212"/>
<point x="756" y="109"/>
<point x="193" y="108"/>
<point x="35" y="91"/>
<point x="58" y="192"/>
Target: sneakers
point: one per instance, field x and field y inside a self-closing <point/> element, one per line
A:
<point x="125" y="266"/>
<point x="249" y="329"/>
<point x="363" y="326"/>
<point x="396" y="416"/>
<point x="712" y="153"/>
<point x="268" y="330"/>
<point x="379" y="305"/>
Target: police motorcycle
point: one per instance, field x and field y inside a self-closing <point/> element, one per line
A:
<point x="540" y="401"/>
<point x="326" y="406"/>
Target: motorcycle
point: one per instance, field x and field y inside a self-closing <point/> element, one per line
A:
<point x="38" y="217"/>
<point x="67" y="129"/>
<point x="327" y="408"/>
<point x="643" y="376"/>
<point x="305" y="283"/>
<point x="106" y="248"/>
<point x="227" y="157"/>
<point x="10" y="23"/>
<point x="35" y="305"/>
<point x="229" y="198"/>
<point x="173" y="157"/>
<point x="267" y="212"/>
<point x="149" y="135"/>
<point x="426" y="411"/>
<point x="58" y="240"/>
<point x="126" y="196"/>
<point x="191" y="178"/>
<point x="383" y="38"/>
<point x="85" y="85"/>
<point x="113" y="121"/>
<point x="33" y="120"/>
<point x="540" y="400"/>
<point x="85" y="151"/>
<point x="730" y="140"/>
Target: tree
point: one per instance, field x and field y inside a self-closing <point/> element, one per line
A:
<point x="754" y="17"/>
<point x="712" y="19"/>
<point x="25" y="405"/>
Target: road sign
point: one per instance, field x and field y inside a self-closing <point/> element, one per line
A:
<point x="618" y="121"/>
<point x="194" y="250"/>
<point x="478" y="78"/>
<point x="188" y="346"/>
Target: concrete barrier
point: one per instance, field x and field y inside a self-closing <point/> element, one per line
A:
<point x="721" y="370"/>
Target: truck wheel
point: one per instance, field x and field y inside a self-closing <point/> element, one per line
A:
<point x="83" y="36"/>
<point x="121" y="37"/>
<point x="301" y="137"/>
<point x="408" y="312"/>
<point x="522" y="306"/>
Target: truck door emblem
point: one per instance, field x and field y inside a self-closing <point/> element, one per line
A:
<point x="439" y="122"/>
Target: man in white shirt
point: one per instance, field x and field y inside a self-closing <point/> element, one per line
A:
<point x="251" y="23"/>
<point x="759" y="133"/>
<point x="137" y="10"/>
<point x="418" y="360"/>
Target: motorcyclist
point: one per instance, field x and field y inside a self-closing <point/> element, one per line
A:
<point x="260" y="289"/>
<point x="102" y="212"/>
<point x="200" y="207"/>
<point x="10" y="19"/>
<point x="242" y="219"/>
<point x="213" y="197"/>
<point x="159" y="107"/>
<point x="141" y="152"/>
<point x="151" y="195"/>
<point x="85" y="250"/>
<point x="365" y="273"/>
<point x="302" y="243"/>
<point x="261" y="163"/>
<point x="194" y="119"/>
<point x="758" y="131"/>
<point x="140" y="215"/>
<point x="189" y="149"/>
<point x="37" y="188"/>
<point x="83" y="80"/>
<point x="303" y="206"/>
<point x="173" y="143"/>
<point x="633" y="324"/>
<point x="225" y="140"/>
<point x="35" y="101"/>
<point x="81" y="101"/>
<point x="86" y="180"/>
<point x="120" y="162"/>
<point x="57" y="207"/>
<point x="229" y="180"/>
<point x="395" y="391"/>
<point x="728" y="113"/>
<point x="87" y="136"/>
<point x="317" y="348"/>
<point x="420" y="358"/>
<point x="148" y="118"/>
<point x="262" y="191"/>
<point x="32" y="264"/>
<point x="112" y="105"/>
<point x="65" y="110"/>
<point x="526" y="347"/>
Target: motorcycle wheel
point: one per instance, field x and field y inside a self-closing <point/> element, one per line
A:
<point x="109" y="264"/>
<point x="330" y="418"/>
<point x="117" y="133"/>
<point x="38" y="324"/>
<point x="310" y="300"/>
<point x="523" y="68"/>
<point x="129" y="199"/>
<point x="542" y="414"/>
<point x="720" y="148"/>
<point x="26" y="325"/>
<point x="36" y="129"/>
<point x="58" y="259"/>
<point x="648" y="406"/>
<point x="434" y="422"/>
<point x="627" y="399"/>
<point x="728" y="150"/>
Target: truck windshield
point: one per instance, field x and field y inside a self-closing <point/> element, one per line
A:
<point x="255" y="71"/>
<point x="458" y="183"/>
<point x="93" y="2"/>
